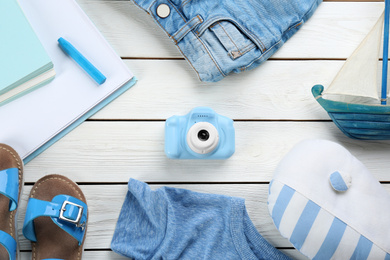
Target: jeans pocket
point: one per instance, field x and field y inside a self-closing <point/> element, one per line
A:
<point x="235" y="42"/>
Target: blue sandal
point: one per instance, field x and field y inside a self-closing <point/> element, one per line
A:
<point x="11" y="183"/>
<point x="56" y="219"/>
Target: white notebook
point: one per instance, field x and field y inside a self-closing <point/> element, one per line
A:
<point x="33" y="122"/>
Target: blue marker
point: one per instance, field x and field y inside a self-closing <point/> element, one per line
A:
<point x="68" y="48"/>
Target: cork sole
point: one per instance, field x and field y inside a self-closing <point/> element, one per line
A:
<point x="52" y="241"/>
<point x="9" y="159"/>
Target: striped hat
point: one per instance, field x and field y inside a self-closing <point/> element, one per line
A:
<point x="328" y="205"/>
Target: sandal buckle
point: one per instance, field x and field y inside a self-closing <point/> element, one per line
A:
<point x="79" y="214"/>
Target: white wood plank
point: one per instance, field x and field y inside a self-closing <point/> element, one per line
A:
<point x="276" y="90"/>
<point x="294" y="254"/>
<point x="335" y="29"/>
<point x="105" y="202"/>
<point x="116" y="151"/>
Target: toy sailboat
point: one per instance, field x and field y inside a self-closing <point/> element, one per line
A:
<point x="349" y="98"/>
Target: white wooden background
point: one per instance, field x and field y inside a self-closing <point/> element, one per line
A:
<point x="272" y="107"/>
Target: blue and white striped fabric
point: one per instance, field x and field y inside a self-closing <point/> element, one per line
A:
<point x="314" y="231"/>
<point x="329" y="206"/>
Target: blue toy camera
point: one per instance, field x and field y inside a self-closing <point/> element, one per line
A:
<point x="201" y="134"/>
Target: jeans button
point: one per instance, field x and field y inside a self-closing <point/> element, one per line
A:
<point x="163" y="11"/>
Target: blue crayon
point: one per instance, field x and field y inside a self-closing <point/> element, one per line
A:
<point x="68" y="48"/>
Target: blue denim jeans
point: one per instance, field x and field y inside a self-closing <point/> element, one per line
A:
<point x="220" y="37"/>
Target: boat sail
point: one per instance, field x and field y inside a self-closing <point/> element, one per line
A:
<point x="349" y="100"/>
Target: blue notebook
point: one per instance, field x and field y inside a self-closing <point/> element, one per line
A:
<point x="35" y="121"/>
<point x="24" y="63"/>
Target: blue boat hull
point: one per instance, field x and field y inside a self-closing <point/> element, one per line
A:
<point x="359" y="121"/>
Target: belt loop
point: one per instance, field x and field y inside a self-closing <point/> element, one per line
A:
<point x="179" y="35"/>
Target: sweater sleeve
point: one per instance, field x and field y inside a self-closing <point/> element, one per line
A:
<point x="142" y="222"/>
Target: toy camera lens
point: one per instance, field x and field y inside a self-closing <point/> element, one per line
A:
<point x="203" y="135"/>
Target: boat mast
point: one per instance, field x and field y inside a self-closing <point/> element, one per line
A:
<point x="385" y="53"/>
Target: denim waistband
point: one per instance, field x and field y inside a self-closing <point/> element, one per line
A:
<point x="220" y="37"/>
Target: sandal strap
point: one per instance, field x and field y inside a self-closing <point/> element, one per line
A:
<point x="9" y="243"/>
<point x="9" y="186"/>
<point x="67" y="212"/>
